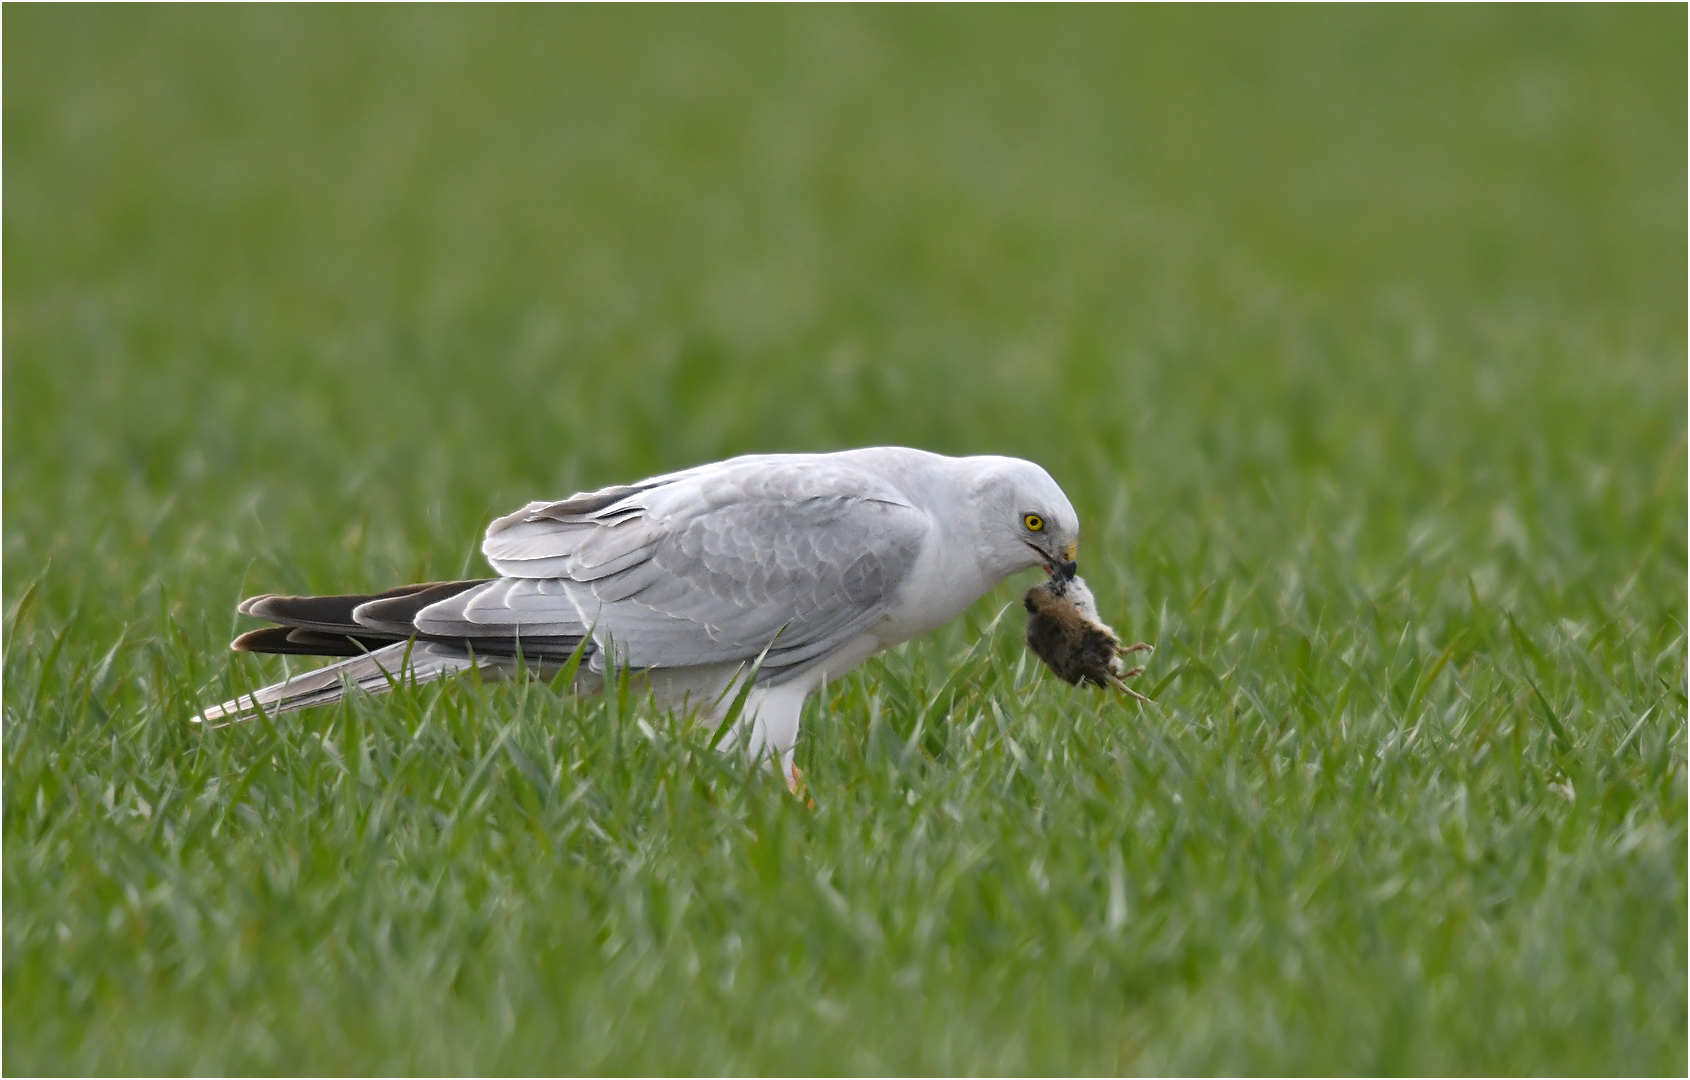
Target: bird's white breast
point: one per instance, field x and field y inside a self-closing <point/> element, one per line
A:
<point x="941" y="585"/>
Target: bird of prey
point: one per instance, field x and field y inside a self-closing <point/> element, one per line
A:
<point x="785" y="568"/>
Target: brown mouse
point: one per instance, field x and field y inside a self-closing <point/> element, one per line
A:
<point x="1064" y="631"/>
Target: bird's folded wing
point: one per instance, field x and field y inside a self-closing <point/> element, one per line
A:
<point x="704" y="567"/>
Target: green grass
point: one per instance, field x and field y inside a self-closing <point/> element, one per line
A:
<point x="1357" y="337"/>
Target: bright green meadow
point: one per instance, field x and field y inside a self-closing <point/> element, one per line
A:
<point x="1357" y="336"/>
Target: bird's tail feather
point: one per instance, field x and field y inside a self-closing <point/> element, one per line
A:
<point x="374" y="672"/>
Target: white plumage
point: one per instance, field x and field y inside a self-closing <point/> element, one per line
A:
<point x="813" y="562"/>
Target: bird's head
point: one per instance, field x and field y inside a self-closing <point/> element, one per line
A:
<point x="1025" y="519"/>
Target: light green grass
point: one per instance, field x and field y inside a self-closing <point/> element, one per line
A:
<point x="1356" y="336"/>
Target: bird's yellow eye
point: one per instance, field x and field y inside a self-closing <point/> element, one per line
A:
<point x="1034" y="523"/>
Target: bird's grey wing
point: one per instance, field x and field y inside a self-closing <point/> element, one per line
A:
<point x="723" y="586"/>
<point x="711" y="565"/>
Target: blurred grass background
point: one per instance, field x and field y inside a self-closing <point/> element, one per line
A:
<point x="1357" y="336"/>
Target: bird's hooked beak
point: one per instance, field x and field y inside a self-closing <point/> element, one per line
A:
<point x="1060" y="565"/>
<point x="1069" y="564"/>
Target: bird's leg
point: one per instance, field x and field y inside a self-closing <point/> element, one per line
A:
<point x="795" y="783"/>
<point x="1122" y="650"/>
<point x="1130" y="672"/>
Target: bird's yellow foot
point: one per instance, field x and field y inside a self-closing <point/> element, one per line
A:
<point x="796" y="783"/>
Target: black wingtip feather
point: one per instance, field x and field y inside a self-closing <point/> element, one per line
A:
<point x="245" y="606"/>
<point x="394" y="612"/>
<point x="292" y="641"/>
<point x="333" y="614"/>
